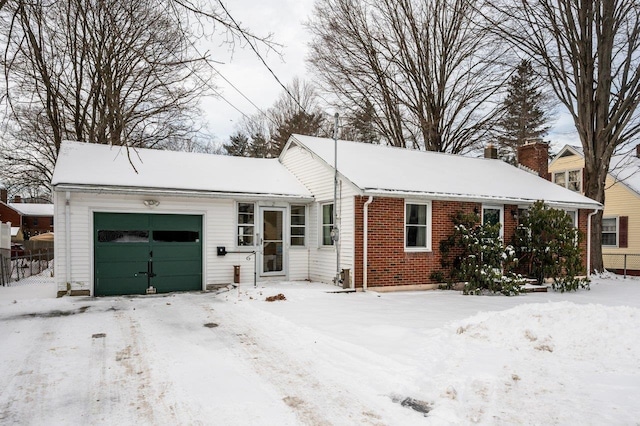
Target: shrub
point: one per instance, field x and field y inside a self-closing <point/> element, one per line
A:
<point x="547" y="245"/>
<point x="474" y="254"/>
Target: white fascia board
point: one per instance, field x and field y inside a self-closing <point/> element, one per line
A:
<point x="478" y="199"/>
<point x="179" y="193"/>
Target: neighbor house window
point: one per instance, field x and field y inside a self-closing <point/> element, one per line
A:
<point x="610" y="232"/>
<point x="574" y="180"/>
<point x="327" y="224"/>
<point x="560" y="178"/>
<point x="246" y="224"/>
<point x="492" y="215"/>
<point x="298" y="225"/>
<point x="570" y="179"/>
<point x="416" y="226"/>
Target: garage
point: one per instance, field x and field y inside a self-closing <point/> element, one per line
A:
<point x="135" y="251"/>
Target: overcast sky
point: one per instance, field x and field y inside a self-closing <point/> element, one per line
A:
<point x="285" y="19"/>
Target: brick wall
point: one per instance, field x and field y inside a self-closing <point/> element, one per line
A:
<point x="583" y="217"/>
<point x="388" y="262"/>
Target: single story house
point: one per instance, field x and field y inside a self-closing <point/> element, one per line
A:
<point x="621" y="216"/>
<point x="27" y="219"/>
<point x="127" y="220"/>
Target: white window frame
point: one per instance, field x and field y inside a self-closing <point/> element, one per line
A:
<point x="565" y="173"/>
<point x="322" y="225"/>
<point x="291" y="226"/>
<point x="238" y="224"/>
<point x="575" y="220"/>
<point x="494" y="207"/>
<point x="617" y="219"/>
<point x="428" y="225"/>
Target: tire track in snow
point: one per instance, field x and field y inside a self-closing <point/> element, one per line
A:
<point x="315" y="402"/>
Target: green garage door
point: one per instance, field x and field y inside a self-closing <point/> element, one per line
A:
<point x="133" y="251"/>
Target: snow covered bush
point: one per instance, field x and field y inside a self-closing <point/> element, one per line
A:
<point x="547" y="244"/>
<point x="475" y="255"/>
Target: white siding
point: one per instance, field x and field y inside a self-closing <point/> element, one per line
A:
<point x="219" y="222"/>
<point x="318" y="178"/>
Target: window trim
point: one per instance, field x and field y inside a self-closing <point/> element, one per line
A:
<point x="305" y="236"/>
<point x="576" y="217"/>
<point x="321" y="224"/>
<point x="566" y="179"/>
<point x="238" y="224"/>
<point x="428" y="225"/>
<point x="501" y="220"/>
<point x="617" y="232"/>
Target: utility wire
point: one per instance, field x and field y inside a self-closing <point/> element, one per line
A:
<point x="255" y="50"/>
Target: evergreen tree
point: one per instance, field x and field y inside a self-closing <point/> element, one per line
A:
<point x="360" y="124"/>
<point x="526" y="111"/>
<point x="259" y="147"/>
<point x="238" y="145"/>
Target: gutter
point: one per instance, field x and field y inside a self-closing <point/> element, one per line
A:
<point x="365" y="243"/>
<point x="179" y="193"/>
<point x="440" y="196"/>
<point x="589" y="241"/>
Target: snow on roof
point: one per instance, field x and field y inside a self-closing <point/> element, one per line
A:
<point x="14" y="231"/>
<point x="94" y="165"/>
<point x="31" y="209"/>
<point x="377" y="169"/>
<point x="626" y="169"/>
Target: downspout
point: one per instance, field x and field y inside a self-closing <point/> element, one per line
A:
<point x="589" y="242"/>
<point x="365" y="238"/>
<point x="67" y="240"/>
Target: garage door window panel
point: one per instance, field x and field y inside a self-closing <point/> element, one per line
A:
<point x="108" y="236"/>
<point x="176" y="236"/>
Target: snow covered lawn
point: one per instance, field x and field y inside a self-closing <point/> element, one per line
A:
<point x="321" y="358"/>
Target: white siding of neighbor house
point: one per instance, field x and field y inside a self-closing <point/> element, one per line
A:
<point x="319" y="178"/>
<point x="219" y="223"/>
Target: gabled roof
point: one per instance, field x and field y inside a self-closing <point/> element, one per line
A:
<point x="85" y="166"/>
<point x="389" y="171"/>
<point x="623" y="168"/>
<point x="31" y="209"/>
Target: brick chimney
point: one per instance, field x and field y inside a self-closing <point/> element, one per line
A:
<point x="17" y="199"/>
<point x="4" y="195"/>
<point x="491" y="151"/>
<point x="535" y="156"/>
<point x="638" y="150"/>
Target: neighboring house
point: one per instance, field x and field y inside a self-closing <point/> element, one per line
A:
<point x="185" y="221"/>
<point x="621" y="217"/>
<point x="30" y="219"/>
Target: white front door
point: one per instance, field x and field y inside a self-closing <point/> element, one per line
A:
<point x="272" y="235"/>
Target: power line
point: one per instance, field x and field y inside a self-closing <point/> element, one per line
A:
<point x="255" y="50"/>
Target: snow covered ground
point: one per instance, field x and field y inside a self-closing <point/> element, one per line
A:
<point x="321" y="358"/>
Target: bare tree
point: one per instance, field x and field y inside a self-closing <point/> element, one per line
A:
<point x="591" y="53"/>
<point x="295" y="111"/>
<point x="425" y="67"/>
<point x="108" y="71"/>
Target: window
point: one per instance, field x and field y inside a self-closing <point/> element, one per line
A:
<point x="35" y="221"/>
<point x="492" y="215"/>
<point x="610" y="231"/>
<point x="176" y="236"/>
<point x="298" y="222"/>
<point x="571" y="179"/>
<point x="327" y="224"/>
<point x="123" y="236"/>
<point x="559" y="178"/>
<point x="573" y="214"/>
<point x="246" y="221"/>
<point x="416" y="226"/>
<point x="574" y="182"/>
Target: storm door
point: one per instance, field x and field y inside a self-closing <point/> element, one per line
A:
<point x="272" y="241"/>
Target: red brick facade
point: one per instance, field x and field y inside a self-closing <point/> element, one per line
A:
<point x="389" y="264"/>
<point x="30" y="225"/>
<point x="7" y="214"/>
